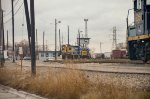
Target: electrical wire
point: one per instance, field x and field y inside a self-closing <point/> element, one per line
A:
<point x="14" y="14"/>
<point x="18" y="9"/>
<point x="11" y="10"/>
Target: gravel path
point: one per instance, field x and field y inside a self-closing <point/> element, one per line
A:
<point x="137" y="81"/>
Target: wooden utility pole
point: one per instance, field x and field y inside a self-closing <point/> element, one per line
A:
<point x="1" y="37"/>
<point x="13" y="41"/>
<point x="3" y="30"/>
<point x="33" y="54"/>
<point x="3" y="40"/>
<point x="28" y="22"/>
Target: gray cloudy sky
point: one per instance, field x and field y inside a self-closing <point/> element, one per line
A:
<point x="102" y="15"/>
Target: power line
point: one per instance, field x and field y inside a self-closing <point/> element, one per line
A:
<point x="14" y="14"/>
<point x="11" y="10"/>
<point x="19" y="8"/>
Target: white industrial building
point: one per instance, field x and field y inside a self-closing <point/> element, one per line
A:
<point x="43" y="55"/>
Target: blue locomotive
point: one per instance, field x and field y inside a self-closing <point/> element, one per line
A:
<point x="139" y="34"/>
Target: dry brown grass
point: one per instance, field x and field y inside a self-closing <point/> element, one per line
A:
<point x="65" y="84"/>
<point x="110" y="91"/>
<point x="62" y="85"/>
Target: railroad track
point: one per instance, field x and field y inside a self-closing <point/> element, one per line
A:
<point x="101" y="71"/>
<point x="122" y="61"/>
<point x="106" y="68"/>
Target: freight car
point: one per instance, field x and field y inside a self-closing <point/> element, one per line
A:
<point x="118" y="54"/>
<point x="139" y="33"/>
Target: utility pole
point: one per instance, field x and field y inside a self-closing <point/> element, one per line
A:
<point x="43" y="42"/>
<point x="33" y="55"/>
<point x="1" y="25"/>
<point x="1" y="37"/>
<point x="100" y="47"/>
<point x="55" y="39"/>
<point x="13" y="41"/>
<point x="3" y="40"/>
<point x="7" y="40"/>
<point x="28" y="22"/>
<point x="37" y="44"/>
<point x="79" y="44"/>
<point x="59" y="41"/>
<point x="68" y="35"/>
<point x="62" y="39"/>
<point x="36" y="35"/>
<point x="3" y="30"/>
<point x="79" y="37"/>
<point x="46" y="46"/>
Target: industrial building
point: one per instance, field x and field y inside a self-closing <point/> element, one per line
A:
<point x="47" y="54"/>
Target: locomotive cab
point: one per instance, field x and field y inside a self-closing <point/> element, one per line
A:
<point x="139" y="33"/>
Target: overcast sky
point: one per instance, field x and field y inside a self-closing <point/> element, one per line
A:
<point x="103" y="15"/>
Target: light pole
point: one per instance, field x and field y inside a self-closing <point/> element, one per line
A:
<point x="79" y="43"/>
<point x="79" y="33"/>
<point x="56" y="37"/>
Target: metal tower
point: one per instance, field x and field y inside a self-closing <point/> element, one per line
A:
<point x="114" y="43"/>
<point x="86" y="31"/>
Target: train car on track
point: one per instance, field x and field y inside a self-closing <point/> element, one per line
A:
<point x="74" y="52"/>
<point x="139" y="33"/>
